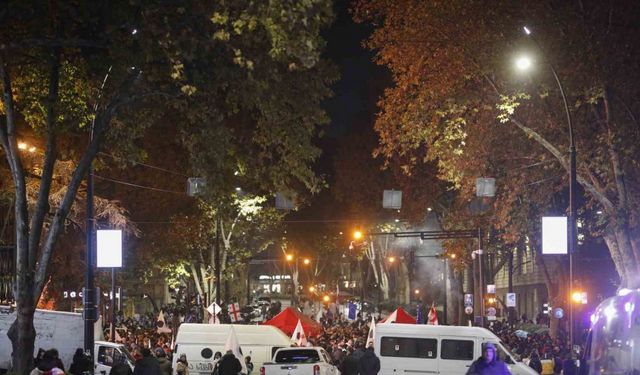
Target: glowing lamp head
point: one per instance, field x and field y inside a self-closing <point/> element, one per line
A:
<point x="526" y="30"/>
<point x="391" y="259"/>
<point x="306" y="261"/>
<point x="289" y="257"/>
<point x="492" y="300"/>
<point x="417" y="291"/>
<point x="576" y="297"/>
<point x="22" y="146"/>
<point x="523" y="63"/>
<point x="326" y="298"/>
<point x="357" y="235"/>
<point x="452" y="256"/>
<point x="312" y="289"/>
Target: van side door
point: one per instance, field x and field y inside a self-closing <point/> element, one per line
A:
<point x="456" y="354"/>
<point x="408" y="355"/>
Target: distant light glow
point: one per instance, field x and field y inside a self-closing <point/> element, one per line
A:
<point x="526" y="30"/>
<point x="306" y="261"/>
<point x="392" y="259"/>
<point x="32" y="149"/>
<point x="594" y="318"/>
<point x="610" y="312"/>
<point x="357" y="235"/>
<point x="523" y="63"/>
<point x="628" y="307"/>
<point x="134" y="31"/>
<point x="326" y="298"/>
<point x="417" y="291"/>
<point x="22" y="146"/>
<point x="624" y="291"/>
<point x="289" y="257"/>
<point x="397" y="220"/>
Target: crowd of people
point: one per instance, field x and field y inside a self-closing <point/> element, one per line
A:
<point x="151" y="344"/>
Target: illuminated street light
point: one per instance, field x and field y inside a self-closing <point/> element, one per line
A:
<point x="452" y="256"/>
<point x="416" y="292"/>
<point x="326" y="298"/>
<point x="32" y="149"/>
<point x="523" y="63"/>
<point x="312" y="289"/>
<point x="22" y="146"/>
<point x="306" y="261"/>
<point x="289" y="257"/>
<point x="357" y="235"/>
<point x="391" y="259"/>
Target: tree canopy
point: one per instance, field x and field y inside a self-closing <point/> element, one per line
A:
<point x="458" y="101"/>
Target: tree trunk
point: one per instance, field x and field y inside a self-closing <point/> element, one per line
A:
<point x="384" y="284"/>
<point x="22" y="335"/>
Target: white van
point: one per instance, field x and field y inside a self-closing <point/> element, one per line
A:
<point x="200" y="342"/>
<point x="65" y="332"/>
<point x="428" y="349"/>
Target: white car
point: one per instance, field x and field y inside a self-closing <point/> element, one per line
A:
<point x="300" y="361"/>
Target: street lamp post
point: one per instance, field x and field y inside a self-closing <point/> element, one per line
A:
<point x="572" y="235"/>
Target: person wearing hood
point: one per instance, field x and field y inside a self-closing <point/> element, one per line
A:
<point x="229" y="364"/>
<point x="163" y="362"/>
<point x="488" y="363"/>
<point x="369" y="363"/>
<point x="148" y="365"/>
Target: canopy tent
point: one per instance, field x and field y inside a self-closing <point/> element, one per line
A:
<point x="288" y="319"/>
<point x="399" y="316"/>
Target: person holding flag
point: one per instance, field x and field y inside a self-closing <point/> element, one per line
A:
<point x="372" y="333"/>
<point x="232" y="362"/>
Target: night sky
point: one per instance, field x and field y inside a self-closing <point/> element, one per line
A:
<point x="351" y="109"/>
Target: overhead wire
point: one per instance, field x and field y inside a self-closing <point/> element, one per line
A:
<point x="139" y="186"/>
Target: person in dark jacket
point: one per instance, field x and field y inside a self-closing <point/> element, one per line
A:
<point x="351" y="364"/>
<point x="488" y="363"/>
<point x="120" y="368"/>
<point x="163" y="362"/>
<point x="229" y="364"/>
<point x="534" y="362"/>
<point x="81" y="363"/>
<point x="147" y="365"/>
<point x="369" y="363"/>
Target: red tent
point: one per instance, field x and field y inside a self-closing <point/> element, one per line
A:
<point x="400" y="316"/>
<point x="288" y="319"/>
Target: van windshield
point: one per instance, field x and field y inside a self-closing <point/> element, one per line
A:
<point x="297" y="356"/>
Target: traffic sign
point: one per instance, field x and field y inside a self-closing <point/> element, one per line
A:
<point x="468" y="310"/>
<point x="491" y="311"/>
<point x="468" y="299"/>
<point x="511" y="300"/>
<point x="558" y="313"/>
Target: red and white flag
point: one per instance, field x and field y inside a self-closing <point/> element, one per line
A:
<point x="234" y="312"/>
<point x="372" y="333"/>
<point x="432" y="318"/>
<point x="298" y="335"/>
<point x="161" y="324"/>
<point x="233" y="345"/>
